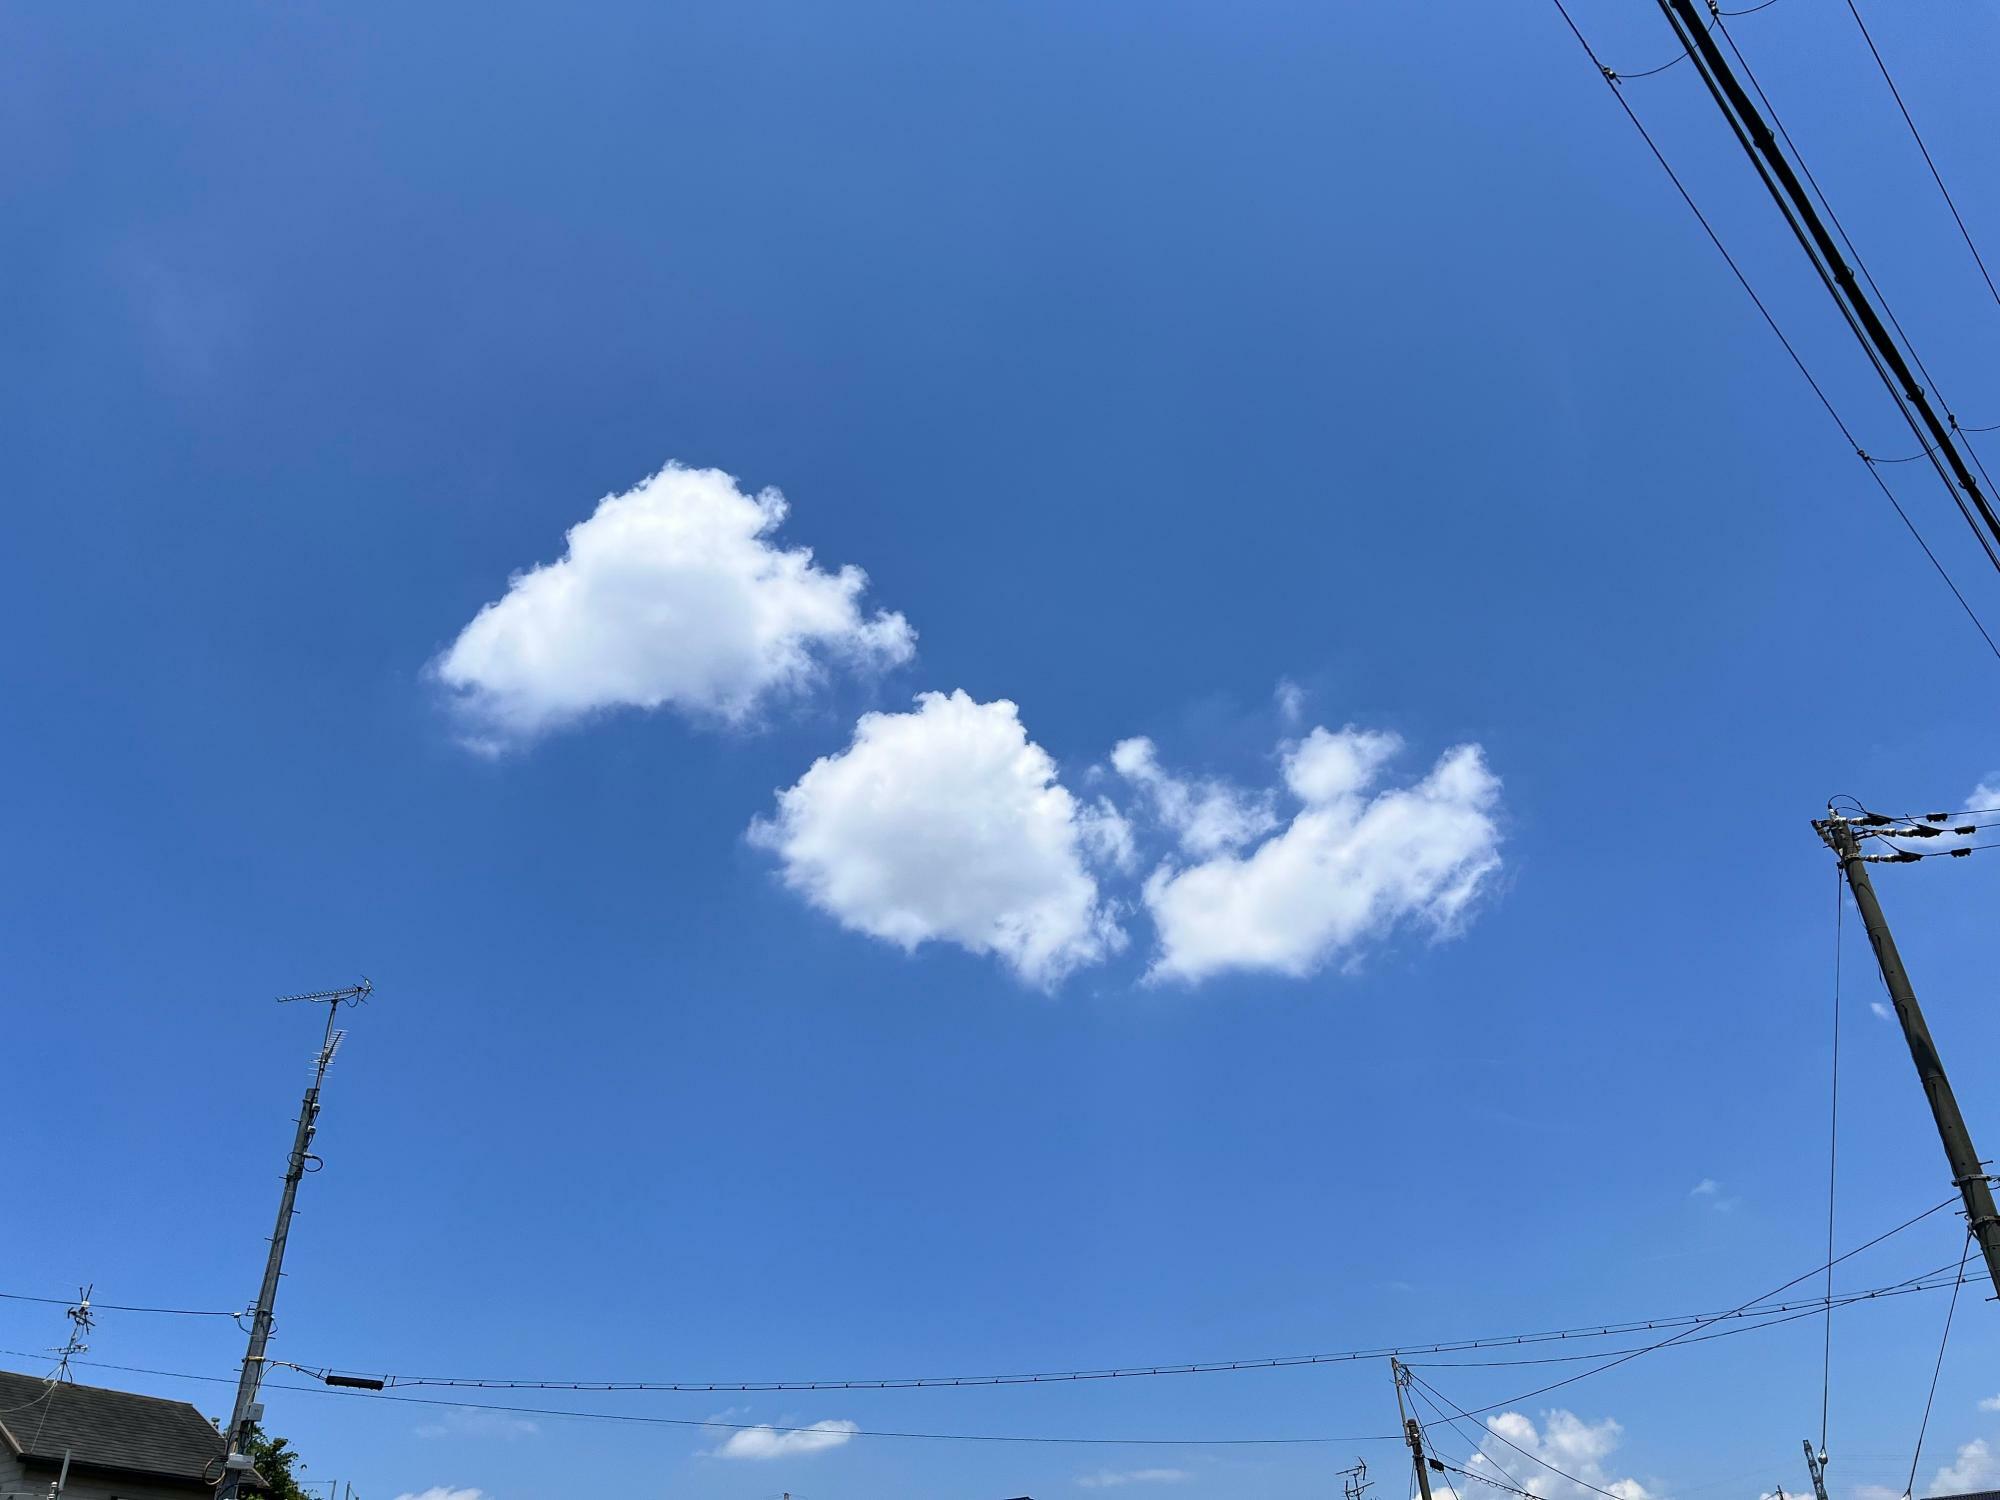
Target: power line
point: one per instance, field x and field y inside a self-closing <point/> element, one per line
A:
<point x="1924" y="1427"/>
<point x="1562" y="1473"/>
<point x="1929" y="1282"/>
<point x="1795" y="205"/>
<point x="181" y="1312"/>
<point x="1633" y="1354"/>
<point x="1762" y="1309"/>
<point x="1833" y="1158"/>
<point x="1772" y="323"/>
<point x="719" y="1426"/>
<point x="1917" y="136"/>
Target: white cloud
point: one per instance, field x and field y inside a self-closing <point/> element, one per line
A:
<point x="1105" y="1479"/>
<point x="1882" y="1011"/>
<point x="1708" y="1187"/>
<point x="1349" y="866"/>
<point x="1977" y="1466"/>
<point x="671" y="594"/>
<point x="440" y="1492"/>
<point x="1989" y="1403"/>
<point x="465" y="1421"/>
<point x="765" y="1441"/>
<point x="1291" y="700"/>
<point x="948" y="824"/>
<point x="1207" y="817"/>
<point x="1563" y="1442"/>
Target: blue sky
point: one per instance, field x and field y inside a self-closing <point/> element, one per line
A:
<point x="1175" y="374"/>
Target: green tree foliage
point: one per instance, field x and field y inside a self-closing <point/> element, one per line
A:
<point x="276" y="1460"/>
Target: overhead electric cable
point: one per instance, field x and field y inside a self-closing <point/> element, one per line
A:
<point x="1782" y="1311"/>
<point x="703" y="1422"/>
<point x="1633" y="1354"/>
<point x="1777" y="175"/>
<point x="1536" y="1457"/>
<point x="179" y="1312"/>
<point x="1833" y="1157"/>
<point x="1924" y="1427"/>
<point x="1917" y="136"/>
<point x="1772" y="323"/>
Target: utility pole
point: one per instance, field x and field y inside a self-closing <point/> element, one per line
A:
<point x="1413" y="1434"/>
<point x="248" y="1411"/>
<point x="1816" y="1466"/>
<point x="1968" y="1172"/>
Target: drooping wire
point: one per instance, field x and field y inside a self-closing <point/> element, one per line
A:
<point x="1917" y="136"/>
<point x="1629" y="1355"/>
<point x="1930" y="1281"/>
<point x="1452" y="1422"/>
<point x="721" y="1426"/>
<point x="1536" y="1457"/>
<point x="1772" y="323"/>
<point x="1924" y="1427"/>
<point x="1833" y="1155"/>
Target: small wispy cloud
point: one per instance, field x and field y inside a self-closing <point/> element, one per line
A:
<point x="1110" y="1479"/>
<point x="1710" y="1192"/>
<point x="464" y="1421"/>
<point x="1882" y="1011"/>
<point x="765" y="1441"/>
<point x="1990" y="1403"/>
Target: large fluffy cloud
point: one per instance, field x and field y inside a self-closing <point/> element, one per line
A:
<point x="948" y="825"/>
<point x="1351" y="864"/>
<point x="673" y="593"/>
<point x="1977" y="1465"/>
<point x="765" y="1441"/>
<point x="1564" y="1442"/>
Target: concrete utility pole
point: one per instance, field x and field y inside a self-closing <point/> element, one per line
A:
<point x="1412" y="1433"/>
<point x="248" y="1411"/>
<point x="1816" y="1466"/>
<point x="1968" y="1172"/>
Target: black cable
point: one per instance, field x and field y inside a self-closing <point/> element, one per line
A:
<point x="1663" y="1343"/>
<point x="1452" y="1422"/>
<point x="1917" y="1457"/>
<point x="179" y="1312"/>
<point x="1784" y="1311"/>
<point x="1821" y="253"/>
<point x="608" y="1416"/>
<point x="1771" y="322"/>
<point x="1536" y="1457"/>
<point x="1917" y="136"/>
<point x="1832" y="1154"/>
<point x="1925" y="1283"/>
<point x="1845" y="297"/>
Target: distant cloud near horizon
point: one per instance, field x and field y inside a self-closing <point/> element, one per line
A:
<point x="670" y="595"/>
<point x="1105" y="1479"/>
<point x="767" y="1442"/>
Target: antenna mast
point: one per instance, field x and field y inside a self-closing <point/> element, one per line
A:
<point x="248" y="1410"/>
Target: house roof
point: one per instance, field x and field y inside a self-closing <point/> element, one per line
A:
<point x="107" y="1429"/>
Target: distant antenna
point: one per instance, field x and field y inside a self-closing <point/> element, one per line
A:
<point x="326" y="1053"/>
<point x="81" y="1323"/>
<point x="1354" y="1482"/>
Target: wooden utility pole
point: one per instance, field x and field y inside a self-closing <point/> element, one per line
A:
<point x="1968" y="1172"/>
<point x="1413" y="1434"/>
